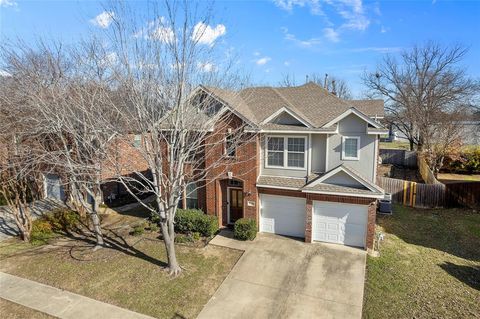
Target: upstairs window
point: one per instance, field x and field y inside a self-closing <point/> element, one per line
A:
<point x="351" y="148"/>
<point x="286" y="152"/>
<point x="275" y="151"/>
<point x="137" y="141"/>
<point x="190" y="195"/>
<point x="230" y="149"/>
<point x="296" y="152"/>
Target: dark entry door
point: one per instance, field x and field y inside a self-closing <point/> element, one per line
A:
<point x="236" y="204"/>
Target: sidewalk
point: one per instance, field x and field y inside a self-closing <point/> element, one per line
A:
<point x="57" y="302"/>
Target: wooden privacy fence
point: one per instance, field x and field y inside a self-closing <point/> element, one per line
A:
<point x="425" y="171"/>
<point x="399" y="157"/>
<point x="463" y="194"/>
<point x="412" y="193"/>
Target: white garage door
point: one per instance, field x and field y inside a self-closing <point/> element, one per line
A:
<point x="282" y="215"/>
<point x="339" y="223"/>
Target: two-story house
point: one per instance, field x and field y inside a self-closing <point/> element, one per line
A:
<point x="311" y="170"/>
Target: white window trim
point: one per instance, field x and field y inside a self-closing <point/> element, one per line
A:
<point x="289" y="112"/>
<point x="225" y="147"/>
<point x="348" y="158"/>
<point x="285" y="153"/>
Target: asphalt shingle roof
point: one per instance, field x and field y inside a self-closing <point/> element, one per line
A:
<point x="310" y="101"/>
<point x="307" y="184"/>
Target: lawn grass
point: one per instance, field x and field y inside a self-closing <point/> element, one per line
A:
<point x="131" y="276"/>
<point x="429" y="265"/>
<point x="11" y="310"/>
<point x="395" y="145"/>
<point x="450" y="178"/>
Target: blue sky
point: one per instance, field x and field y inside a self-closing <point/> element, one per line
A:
<point x="273" y="38"/>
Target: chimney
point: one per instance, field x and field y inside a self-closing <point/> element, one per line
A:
<point x="334" y="89"/>
<point x="325" y="84"/>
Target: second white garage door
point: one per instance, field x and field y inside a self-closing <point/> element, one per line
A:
<point x="339" y="223"/>
<point x="282" y="215"/>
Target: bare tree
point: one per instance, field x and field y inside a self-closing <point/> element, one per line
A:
<point x="425" y="84"/>
<point x="19" y="159"/>
<point x="334" y="84"/>
<point x="70" y="112"/>
<point x="187" y="136"/>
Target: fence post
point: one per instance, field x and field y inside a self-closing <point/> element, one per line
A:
<point x="404" y="192"/>
<point x="413" y="194"/>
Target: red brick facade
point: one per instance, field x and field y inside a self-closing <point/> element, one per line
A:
<point x="243" y="168"/>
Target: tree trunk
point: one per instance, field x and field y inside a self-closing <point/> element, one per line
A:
<point x="97" y="230"/>
<point x="173" y="267"/>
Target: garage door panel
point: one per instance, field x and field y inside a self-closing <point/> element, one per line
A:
<point x="339" y="223"/>
<point x="282" y="215"/>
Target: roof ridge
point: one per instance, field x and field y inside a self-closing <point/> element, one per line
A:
<point x="291" y="106"/>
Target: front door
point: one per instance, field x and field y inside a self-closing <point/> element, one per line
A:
<point x="235" y="204"/>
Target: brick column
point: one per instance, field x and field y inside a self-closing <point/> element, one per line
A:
<point x="308" y="220"/>
<point x="372" y="214"/>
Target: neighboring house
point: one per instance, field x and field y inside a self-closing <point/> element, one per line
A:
<point x="470" y="133"/>
<point x="124" y="160"/>
<point x="311" y="170"/>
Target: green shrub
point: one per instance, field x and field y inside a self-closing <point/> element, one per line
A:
<point x="62" y="220"/>
<point x="154" y="218"/>
<point x="196" y="236"/>
<point x="153" y="227"/>
<point x="182" y="238"/>
<point x="194" y="220"/>
<point x="138" y="230"/>
<point x="245" y="228"/>
<point x="41" y="231"/>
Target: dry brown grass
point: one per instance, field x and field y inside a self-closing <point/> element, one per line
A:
<point x="130" y="274"/>
<point x="11" y="310"/>
<point x="429" y="265"/>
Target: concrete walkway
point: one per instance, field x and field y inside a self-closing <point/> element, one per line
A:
<point x="59" y="303"/>
<point x="8" y="227"/>
<point x="279" y="277"/>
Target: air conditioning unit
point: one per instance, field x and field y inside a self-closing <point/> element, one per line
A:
<point x="385" y="204"/>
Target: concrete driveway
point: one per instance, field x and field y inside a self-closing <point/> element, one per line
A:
<point x="279" y="277"/>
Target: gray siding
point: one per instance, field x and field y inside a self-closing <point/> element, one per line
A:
<point x="279" y="171"/>
<point x="318" y="152"/>
<point x="343" y="179"/>
<point x="287" y="119"/>
<point x="353" y="126"/>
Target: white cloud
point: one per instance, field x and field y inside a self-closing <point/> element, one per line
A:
<point x="109" y="59"/>
<point x="206" y="66"/>
<point x="302" y="43"/>
<point x="103" y="20"/>
<point x="377" y="49"/>
<point x="161" y="33"/>
<point x="383" y="29"/>
<point x="8" y="3"/>
<point x="352" y="12"/>
<point x="157" y="30"/>
<point x="286" y="63"/>
<point x="331" y="34"/>
<point x="263" y="61"/>
<point x="288" y="5"/>
<point x="205" y="34"/>
<point x="256" y="53"/>
<point x="4" y="73"/>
